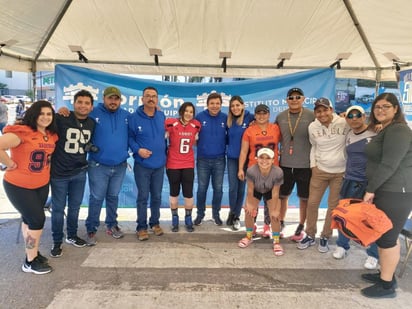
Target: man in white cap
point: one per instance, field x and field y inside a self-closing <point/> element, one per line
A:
<point x="354" y="182"/>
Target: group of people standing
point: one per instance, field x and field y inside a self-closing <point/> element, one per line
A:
<point x="313" y="150"/>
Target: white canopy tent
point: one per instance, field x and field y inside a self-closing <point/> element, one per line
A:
<point x="190" y="35"/>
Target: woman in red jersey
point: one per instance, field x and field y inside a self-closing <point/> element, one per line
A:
<point x="182" y="134"/>
<point x="27" y="176"/>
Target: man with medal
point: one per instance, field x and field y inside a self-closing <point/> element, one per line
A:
<point x="295" y="155"/>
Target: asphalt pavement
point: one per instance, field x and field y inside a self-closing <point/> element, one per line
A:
<point x="203" y="269"/>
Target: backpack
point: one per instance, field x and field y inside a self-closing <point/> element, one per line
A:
<point x="360" y="221"/>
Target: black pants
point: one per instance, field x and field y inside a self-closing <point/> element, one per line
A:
<point x="29" y="202"/>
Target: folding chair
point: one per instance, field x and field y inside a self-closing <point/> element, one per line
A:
<point x="47" y="207"/>
<point x="407" y="235"/>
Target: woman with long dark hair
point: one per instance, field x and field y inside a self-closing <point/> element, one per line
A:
<point x="26" y="180"/>
<point x="389" y="173"/>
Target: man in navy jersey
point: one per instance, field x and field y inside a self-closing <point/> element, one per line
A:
<point x="211" y="160"/>
<point x="68" y="170"/>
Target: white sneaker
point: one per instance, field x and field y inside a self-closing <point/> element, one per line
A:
<point x="371" y="263"/>
<point x="340" y="253"/>
<point x="236" y="224"/>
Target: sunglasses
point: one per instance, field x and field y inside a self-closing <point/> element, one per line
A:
<point x="294" y="97"/>
<point x="351" y="116"/>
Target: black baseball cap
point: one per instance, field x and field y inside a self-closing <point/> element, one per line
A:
<point x="295" y="89"/>
<point x="325" y="102"/>
<point x="262" y="108"/>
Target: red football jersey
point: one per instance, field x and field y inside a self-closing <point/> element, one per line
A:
<point x="182" y="138"/>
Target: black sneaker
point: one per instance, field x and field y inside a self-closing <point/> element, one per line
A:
<point x="56" y="251"/>
<point x="376" y="277"/>
<point x="218" y="221"/>
<point x="198" y="221"/>
<point x="230" y="218"/>
<point x="41" y="258"/>
<point x="306" y="243"/>
<point x="378" y="291"/>
<point x="36" y="267"/>
<point x="76" y="241"/>
<point x="323" y="245"/>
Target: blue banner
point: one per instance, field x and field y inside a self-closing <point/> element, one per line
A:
<point x="270" y="91"/>
<point x="405" y="88"/>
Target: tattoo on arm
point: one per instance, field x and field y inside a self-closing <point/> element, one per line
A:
<point x="30" y="242"/>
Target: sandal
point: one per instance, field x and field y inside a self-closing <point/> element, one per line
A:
<point x="278" y="250"/>
<point x="245" y="242"/>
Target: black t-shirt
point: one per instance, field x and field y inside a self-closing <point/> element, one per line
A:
<point x="69" y="157"/>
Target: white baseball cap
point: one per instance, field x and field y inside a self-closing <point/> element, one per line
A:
<point x="356" y="108"/>
<point x="267" y="151"/>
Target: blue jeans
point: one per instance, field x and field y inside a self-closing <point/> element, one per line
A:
<point x="68" y="189"/>
<point x="236" y="187"/>
<point x="354" y="189"/>
<point x="105" y="182"/>
<point x="148" y="181"/>
<point x="206" y="169"/>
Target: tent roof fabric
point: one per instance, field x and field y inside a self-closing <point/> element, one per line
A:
<point x="116" y="35"/>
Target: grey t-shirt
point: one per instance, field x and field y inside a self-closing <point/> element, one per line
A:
<point x="262" y="183"/>
<point x="300" y="157"/>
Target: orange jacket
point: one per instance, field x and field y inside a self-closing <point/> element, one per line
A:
<point x="360" y="221"/>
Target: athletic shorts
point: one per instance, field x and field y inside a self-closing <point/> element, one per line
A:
<point x="298" y="176"/>
<point x="184" y="177"/>
<point x="266" y="196"/>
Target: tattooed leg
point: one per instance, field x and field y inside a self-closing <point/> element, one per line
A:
<point x="30" y="242"/>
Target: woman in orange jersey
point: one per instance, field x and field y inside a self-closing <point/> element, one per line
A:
<point x="27" y="176"/>
<point x="261" y="134"/>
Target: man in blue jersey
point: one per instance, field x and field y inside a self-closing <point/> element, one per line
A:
<point x="211" y="161"/>
<point x="108" y="153"/>
<point x="148" y="143"/>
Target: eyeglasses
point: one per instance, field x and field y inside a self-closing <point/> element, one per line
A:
<point x="150" y="97"/>
<point x="383" y="107"/>
<point x="351" y="116"/>
<point x="294" y="97"/>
